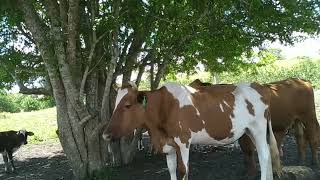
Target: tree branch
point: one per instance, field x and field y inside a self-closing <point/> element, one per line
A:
<point x="63" y="6"/>
<point x="105" y="108"/>
<point x="86" y="72"/>
<point x="60" y="53"/>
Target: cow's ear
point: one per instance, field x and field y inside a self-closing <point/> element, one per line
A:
<point x="30" y="133"/>
<point x="142" y="99"/>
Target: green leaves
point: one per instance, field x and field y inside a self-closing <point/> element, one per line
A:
<point x="218" y="34"/>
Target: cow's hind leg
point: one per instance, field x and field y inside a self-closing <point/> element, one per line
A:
<point x="258" y="135"/>
<point x="248" y="149"/>
<point x="300" y="138"/>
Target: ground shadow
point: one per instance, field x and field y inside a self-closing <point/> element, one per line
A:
<point x="41" y="168"/>
<point x="211" y="163"/>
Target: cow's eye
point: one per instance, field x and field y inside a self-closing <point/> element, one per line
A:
<point x="128" y="106"/>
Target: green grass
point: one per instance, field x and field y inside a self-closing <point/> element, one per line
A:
<point x="43" y="123"/>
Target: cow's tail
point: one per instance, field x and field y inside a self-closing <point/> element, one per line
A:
<point x="274" y="151"/>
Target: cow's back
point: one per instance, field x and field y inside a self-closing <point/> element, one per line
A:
<point x="291" y="99"/>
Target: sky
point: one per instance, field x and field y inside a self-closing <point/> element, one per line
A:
<point x="309" y="47"/>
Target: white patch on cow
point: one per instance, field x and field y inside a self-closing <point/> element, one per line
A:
<point x="167" y="149"/>
<point x="221" y="107"/>
<point x="182" y="94"/>
<point x="241" y="119"/>
<point x="120" y="95"/>
<point x="202" y="137"/>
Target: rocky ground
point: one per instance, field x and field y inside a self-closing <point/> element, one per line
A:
<point x="47" y="162"/>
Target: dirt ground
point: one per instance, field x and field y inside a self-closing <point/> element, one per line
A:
<point x="47" y="162"/>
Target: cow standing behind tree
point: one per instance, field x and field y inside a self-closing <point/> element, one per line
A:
<point x="177" y="116"/>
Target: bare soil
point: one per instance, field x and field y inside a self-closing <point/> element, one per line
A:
<point x="47" y="162"/>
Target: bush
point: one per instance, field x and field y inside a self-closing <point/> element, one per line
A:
<point x="7" y="104"/>
<point x="30" y="104"/>
<point x="19" y="102"/>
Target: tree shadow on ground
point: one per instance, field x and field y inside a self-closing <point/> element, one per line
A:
<point x="219" y="163"/>
<point x="215" y="163"/>
<point x="41" y="168"/>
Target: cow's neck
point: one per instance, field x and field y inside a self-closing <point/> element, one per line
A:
<point x="156" y="113"/>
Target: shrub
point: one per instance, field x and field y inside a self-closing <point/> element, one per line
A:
<point x="30" y="103"/>
<point x="7" y="104"/>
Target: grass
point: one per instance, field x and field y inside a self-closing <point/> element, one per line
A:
<point x="43" y="123"/>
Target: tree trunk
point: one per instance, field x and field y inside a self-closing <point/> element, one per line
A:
<point x="77" y="121"/>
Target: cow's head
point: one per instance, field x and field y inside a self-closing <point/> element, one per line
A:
<point x="23" y="135"/>
<point x="128" y="114"/>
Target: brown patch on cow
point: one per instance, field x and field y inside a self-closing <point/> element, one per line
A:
<point x="250" y="107"/>
<point x="207" y="100"/>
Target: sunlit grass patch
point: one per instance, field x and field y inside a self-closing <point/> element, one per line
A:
<point x="43" y="123"/>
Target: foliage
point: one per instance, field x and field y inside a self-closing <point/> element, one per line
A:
<point x="43" y="123"/>
<point x="278" y="70"/>
<point x="19" y="102"/>
<point x="183" y="32"/>
<point x="305" y="69"/>
<point x="7" y="104"/>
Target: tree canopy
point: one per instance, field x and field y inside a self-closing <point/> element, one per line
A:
<point x="175" y="34"/>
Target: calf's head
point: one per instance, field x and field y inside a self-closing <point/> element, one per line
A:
<point x="128" y="114"/>
<point x="23" y="135"/>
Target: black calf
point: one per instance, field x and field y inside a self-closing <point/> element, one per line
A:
<point x="10" y="141"/>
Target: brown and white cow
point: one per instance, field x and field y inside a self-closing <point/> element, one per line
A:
<point x="177" y="116"/>
<point x="291" y="106"/>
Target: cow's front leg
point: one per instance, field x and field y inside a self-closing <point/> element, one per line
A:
<point x="183" y="160"/>
<point x="172" y="164"/>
